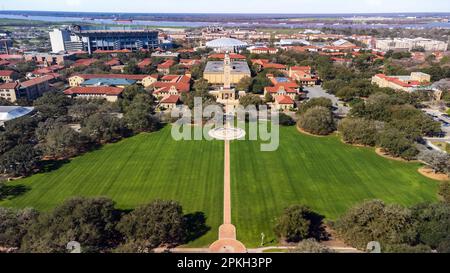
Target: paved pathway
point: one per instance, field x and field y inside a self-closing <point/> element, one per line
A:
<point x="227" y="242"/>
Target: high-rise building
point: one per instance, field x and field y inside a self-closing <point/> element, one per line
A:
<point x="112" y="39"/>
<point x="58" y="37"/>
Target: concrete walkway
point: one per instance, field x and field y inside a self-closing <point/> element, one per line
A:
<point x="227" y="242"/>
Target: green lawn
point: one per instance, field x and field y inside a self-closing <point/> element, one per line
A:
<point x="136" y="171"/>
<point x="323" y="173"/>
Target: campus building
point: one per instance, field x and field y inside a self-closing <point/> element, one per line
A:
<point x="109" y="93"/>
<point x="226" y="45"/>
<point x="216" y="71"/>
<point x="414" y="82"/>
<point x="409" y="44"/>
<point x="113" y="39"/>
<point x="118" y="80"/>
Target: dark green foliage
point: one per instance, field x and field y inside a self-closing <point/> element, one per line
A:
<point x="317" y="120"/>
<point x="396" y="143"/>
<point x="14" y="225"/>
<point x="376" y="221"/>
<point x="21" y="160"/>
<point x="358" y="131"/>
<point x="322" y="102"/>
<point x="299" y="223"/>
<point x="432" y="223"/>
<point x="155" y="224"/>
<point x="91" y="222"/>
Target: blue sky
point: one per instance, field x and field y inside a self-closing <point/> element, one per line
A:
<point x="231" y="6"/>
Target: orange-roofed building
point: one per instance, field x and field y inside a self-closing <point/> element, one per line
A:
<point x="414" y="82"/>
<point x="170" y="102"/>
<point x="303" y="75"/>
<point x="84" y="62"/>
<point x="145" y="63"/>
<point x="109" y="93"/>
<point x="8" y="75"/>
<point x="221" y="56"/>
<point x="164" y="68"/>
<point x="171" y="85"/>
<point x="284" y="102"/>
<point x="263" y="50"/>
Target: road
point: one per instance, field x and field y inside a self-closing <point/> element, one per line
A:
<point x="318" y="92"/>
<point x="439" y="116"/>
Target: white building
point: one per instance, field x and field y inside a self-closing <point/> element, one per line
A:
<point x="57" y="38"/>
<point x="227" y="45"/>
<point x="409" y="44"/>
<point x="12" y="112"/>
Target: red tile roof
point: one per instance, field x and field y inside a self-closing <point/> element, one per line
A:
<point x="97" y="90"/>
<point x="222" y="56"/>
<point x="48" y="70"/>
<point x="6" y="73"/>
<point x="37" y="81"/>
<point x="9" y="85"/>
<point x="145" y="62"/>
<point x="171" y="99"/>
<point x="167" y="64"/>
<point x="277" y="88"/>
<point x="284" y="100"/>
<point x="112" y="51"/>
<point x="10" y="57"/>
<point x="111" y="76"/>
<point x="113" y="62"/>
<point x="84" y="62"/>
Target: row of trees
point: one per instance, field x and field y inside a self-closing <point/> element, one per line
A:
<point x="421" y="228"/>
<point x="63" y="128"/>
<point x="99" y="227"/>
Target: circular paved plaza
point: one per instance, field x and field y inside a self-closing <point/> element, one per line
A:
<point x="227" y="133"/>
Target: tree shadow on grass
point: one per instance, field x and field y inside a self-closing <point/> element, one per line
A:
<point x="10" y="192"/>
<point x="47" y="166"/>
<point x="195" y="226"/>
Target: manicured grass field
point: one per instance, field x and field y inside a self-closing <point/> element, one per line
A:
<point x="323" y="173"/>
<point x="136" y="171"/>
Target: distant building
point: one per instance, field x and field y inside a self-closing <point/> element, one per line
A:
<point x="80" y="79"/>
<point x="284" y="102"/>
<point x="166" y="55"/>
<point x="171" y="85"/>
<point x="216" y="71"/>
<point x="35" y="88"/>
<point x="48" y="58"/>
<point x="282" y="86"/>
<point x="226" y="45"/>
<point x="9" y="91"/>
<point x="170" y="102"/>
<point x="263" y="50"/>
<point x="109" y="93"/>
<point x="8" y="75"/>
<point x="62" y="40"/>
<point x="8" y="113"/>
<point x="112" y="39"/>
<point x="303" y="75"/>
<point x="164" y="68"/>
<point x="409" y="44"/>
<point x="414" y="82"/>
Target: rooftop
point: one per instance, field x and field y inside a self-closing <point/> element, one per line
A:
<point x="236" y="67"/>
<point x="226" y="42"/>
<point x="12" y="112"/>
<point x="108" y="82"/>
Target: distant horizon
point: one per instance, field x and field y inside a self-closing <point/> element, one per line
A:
<point x="231" y="6"/>
<point x="233" y="13"/>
